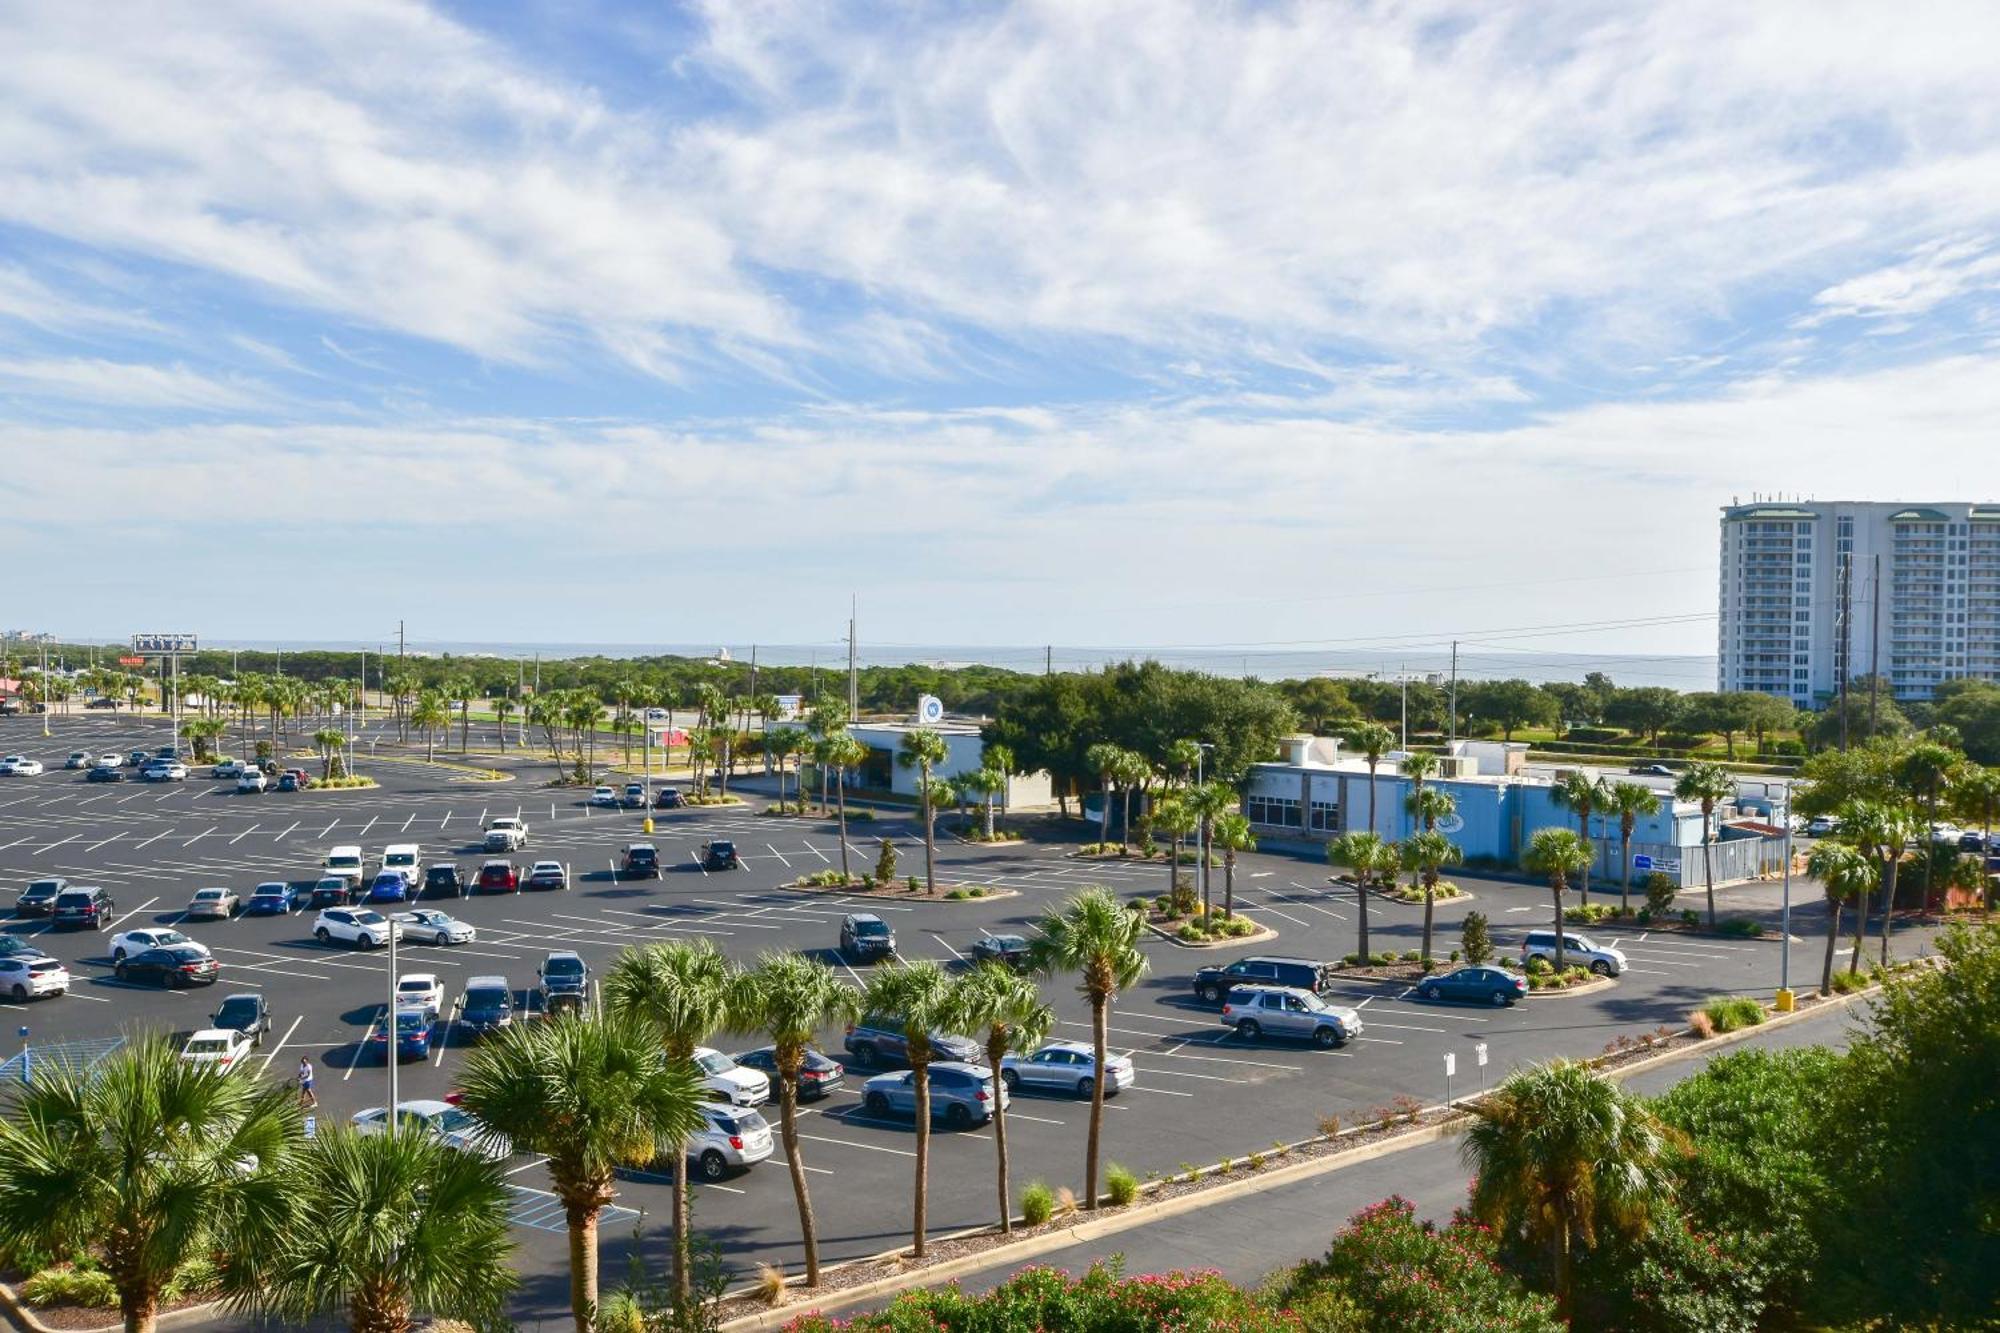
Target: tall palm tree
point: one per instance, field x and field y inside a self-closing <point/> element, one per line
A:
<point x="846" y="754"/>
<point x="1103" y="759"/>
<point x="429" y="714"/>
<point x="1208" y="801"/>
<point x="1373" y="740"/>
<point x="378" y="1227"/>
<point x="1881" y="829"/>
<point x="592" y="1093"/>
<point x="1555" y="854"/>
<point x="791" y="999"/>
<point x="1425" y="852"/>
<point x="139" y="1159"/>
<point x="1628" y="800"/>
<point x="1097" y="937"/>
<point x="1560" y="1154"/>
<point x="1172" y="817"/>
<point x="329" y="741"/>
<point x="458" y="690"/>
<point x="1006" y="1014"/>
<point x="917" y="999"/>
<point x="1844" y="873"/>
<point x="923" y="750"/>
<point x="781" y="745"/>
<point x="503" y="708"/>
<point x="1583" y="794"/>
<point x="1707" y="784"/>
<point x="1232" y="834"/>
<point x="1133" y="774"/>
<point x="1977" y="797"/>
<point x="1367" y="855"/>
<point x="1926" y="773"/>
<point x="681" y="990"/>
<point x="1419" y="766"/>
<point x="982" y="787"/>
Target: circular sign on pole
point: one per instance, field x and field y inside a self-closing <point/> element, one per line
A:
<point x="1451" y="823"/>
<point x="930" y="709"/>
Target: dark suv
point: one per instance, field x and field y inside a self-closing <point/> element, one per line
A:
<point x="864" y="937"/>
<point x="488" y="1005"/>
<point x="879" y="1041"/>
<point x="39" y="896"/>
<point x="565" y="981"/>
<point x="80" y="909"/>
<point x="444" y="880"/>
<point x="1213" y="983"/>
<point x="642" y="861"/>
<point x="719" y="855"/>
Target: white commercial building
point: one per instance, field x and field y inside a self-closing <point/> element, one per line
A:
<point x="1813" y="592"/>
<point x="965" y="752"/>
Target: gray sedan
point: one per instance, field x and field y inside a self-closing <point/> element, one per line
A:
<point x="1066" y="1066"/>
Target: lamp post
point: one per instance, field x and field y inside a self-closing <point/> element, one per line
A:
<point x="1784" y="997"/>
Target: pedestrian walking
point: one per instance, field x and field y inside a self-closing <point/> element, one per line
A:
<point x="307" y="1097"/>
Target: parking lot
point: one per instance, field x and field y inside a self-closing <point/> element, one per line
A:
<point x="1202" y="1092"/>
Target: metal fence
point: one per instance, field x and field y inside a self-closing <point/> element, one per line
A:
<point x="73" y="1055"/>
<point x="1734" y="858"/>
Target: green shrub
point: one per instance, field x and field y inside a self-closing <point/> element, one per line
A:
<point x="1741" y="927"/>
<point x="1660" y="893"/>
<point x="975" y="892"/>
<point x="885" y="864"/>
<point x="956" y="895"/>
<point x="1412" y="955"/>
<point x="1846" y="983"/>
<point x="1728" y="1013"/>
<point x="195" y="1278"/>
<point x="87" y="1287"/>
<point x="1120" y="1185"/>
<point x="1539" y="966"/>
<point x="1190" y="932"/>
<point x="1690" y="917"/>
<point x="1038" y="1203"/>
<point x="1240" y="926"/>
<point x="1589" y="914"/>
<point x="822" y="879"/>
<point x="1478" y="942"/>
<point x="1184" y="901"/>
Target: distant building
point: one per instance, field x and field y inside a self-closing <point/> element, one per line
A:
<point x="1786" y="628"/>
<point x="965" y="753"/>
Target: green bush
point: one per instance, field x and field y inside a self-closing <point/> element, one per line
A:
<point x="912" y="883"/>
<point x="1239" y="926"/>
<point x="1476" y="938"/>
<point x="1589" y="914"/>
<point x="1690" y="917"/>
<point x="1741" y="927"/>
<point x="1038" y="1203"/>
<point x="196" y="1278"/>
<point x="956" y="895"/>
<point x="823" y="879"/>
<point x="1846" y="983"/>
<point x="1101" y="1301"/>
<point x="88" y="1287"/>
<point x="1539" y="966"/>
<point x="1728" y="1013"/>
<point x="1190" y="932"/>
<point x="975" y="892"/>
<point x="1120" y="1185"/>
<point x="1660" y="893"/>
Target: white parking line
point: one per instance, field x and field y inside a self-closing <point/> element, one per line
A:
<point x="946" y="943"/>
<point x="117" y="920"/>
<point x="824" y="857"/>
<point x="406" y="823"/>
<point x="265" y="1068"/>
<point x="244" y="834"/>
<point x="286" y="834"/>
<point x="780" y="855"/>
<point x="44" y="851"/>
<point x="362" y="1045"/>
<point x="329" y="828"/>
<point x="199" y="836"/>
<point x="850" y="1143"/>
<point x="113" y="838"/>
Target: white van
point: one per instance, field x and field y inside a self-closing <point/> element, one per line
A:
<point x="344" y="863"/>
<point x="404" y="858"/>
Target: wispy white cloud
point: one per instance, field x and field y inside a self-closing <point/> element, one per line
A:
<point x="89" y="381"/>
<point x="1934" y="274"/>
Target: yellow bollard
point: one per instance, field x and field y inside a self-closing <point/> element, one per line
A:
<point x="1786" y="1002"/>
<point x="648" y="824"/>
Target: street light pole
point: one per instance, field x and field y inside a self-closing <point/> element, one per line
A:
<point x="389" y="1023"/>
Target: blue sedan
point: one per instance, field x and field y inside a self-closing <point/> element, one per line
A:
<point x="389" y="887"/>
<point x="413" y="1036"/>
<point x="1481" y="985"/>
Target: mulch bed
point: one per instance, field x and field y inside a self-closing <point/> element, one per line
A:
<point x="859" y="888"/>
<point x="1167" y="927"/>
<point x="87" y="1318"/>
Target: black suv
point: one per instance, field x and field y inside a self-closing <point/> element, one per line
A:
<point x="642" y="861"/>
<point x="719" y="855"/>
<point x="879" y="1041"/>
<point x="565" y="981"/>
<point x="864" y="937"/>
<point x="246" y="1013"/>
<point x="39" y="896"/>
<point x="82" y="909"/>
<point x="667" y="798"/>
<point x="444" y="880"/>
<point x="1213" y="983"/>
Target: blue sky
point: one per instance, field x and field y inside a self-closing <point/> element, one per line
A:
<point x="1087" y="323"/>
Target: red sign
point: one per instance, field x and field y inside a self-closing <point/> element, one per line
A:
<point x="131" y="661"/>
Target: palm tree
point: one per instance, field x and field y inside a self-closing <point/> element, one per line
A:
<point x="1707" y="783"/>
<point x="1419" y="766"/>
<point x="503" y="708"/>
<point x="1208" y="802"/>
<point x="1133" y="774"/>
<point x="1560" y="1154"/>
<point x="329" y="741"/>
<point x="1424" y="852"/>
<point x="1579" y="791"/>
<point x="430" y="714"/>
<point x="1232" y="835"/>
<point x="1844" y="872"/>
<point x="1373" y="740"/>
<point x="458" y="689"/>
<point x="791" y="999"/>
<point x="1103" y="759"/>
<point x="593" y="1093"/>
<point x="982" y="786"/>
<point x="1977" y="796"/>
<point x="139" y="1159"/>
<point x="780" y="746"/>
<point x="1555" y="854"/>
<point x="845" y="753"/>
<point x="923" y="749"/>
<point x="1880" y="829"/>
<point x="917" y="999"/>
<point x="1005" y="1013"/>
<point x="1367" y="855"/>
<point x="1172" y="817"/>
<point x="1926" y="772"/>
<point x="379" y="1227"/>
<point x="680" y="989"/>
<point x="1628" y="800"/>
<point x="1097" y="937"/>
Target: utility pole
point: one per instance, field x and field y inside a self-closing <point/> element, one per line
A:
<point x="1846" y="639"/>
<point x="1049" y="660"/>
<point x="1874" y="643"/>
<point x="1406" y="710"/>
<point x="1452" y="729"/>
<point x="853" y="667"/>
<point x="46" y="692"/>
<point x="400" y="646"/>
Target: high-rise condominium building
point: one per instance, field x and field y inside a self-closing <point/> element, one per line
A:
<point x="1813" y="592"/>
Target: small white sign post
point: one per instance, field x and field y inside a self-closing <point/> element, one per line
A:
<point x="1479" y="1056"/>
<point x="1450" y="1068"/>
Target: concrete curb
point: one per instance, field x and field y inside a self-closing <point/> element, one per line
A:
<point x="24" y="1314"/>
<point x="1726" y="1039"/>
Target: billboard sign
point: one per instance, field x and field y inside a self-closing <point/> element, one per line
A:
<point x="131" y="661"/>
<point x="157" y="644"/>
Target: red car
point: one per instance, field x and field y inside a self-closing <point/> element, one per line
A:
<point x="498" y="877"/>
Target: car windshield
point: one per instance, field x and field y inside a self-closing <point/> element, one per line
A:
<point x="183" y="955"/>
<point x="416" y="985"/>
<point x="715" y="1062"/>
<point x="722" y="846"/>
<point x="563" y="967"/>
<point x="410" y="1021"/>
<point x="44" y="965"/>
<point x="369" y="918"/>
<point x="236" y="1011"/>
<point x="73" y="900"/>
<point x="871" y="928"/>
<point x="44" y="886"/>
<point x="271" y="890"/>
<point x="207" y="1046"/>
<point x="487" y="998"/>
<point x="331" y="884"/>
<point x="342" y="862"/>
<point x="456" y="1121"/>
<point x="210" y="893"/>
<point x="442" y="873"/>
<point x="400" y="859"/>
<point x="170" y="937"/>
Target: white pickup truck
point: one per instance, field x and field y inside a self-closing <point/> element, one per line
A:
<point x="506" y="834"/>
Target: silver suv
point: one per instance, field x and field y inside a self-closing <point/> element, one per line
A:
<point x="1577" y="950"/>
<point x="732" y="1138"/>
<point x="1287" y="1011"/>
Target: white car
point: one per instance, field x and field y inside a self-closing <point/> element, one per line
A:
<point x="26" y="975"/>
<point x="733" y="1138"/>
<point x="420" y="990"/>
<point x="227" y="768"/>
<point x="217" y="1048"/>
<point x="164" y="770"/>
<point x="427" y="925"/>
<point x="506" y="834"/>
<point x="731" y="1082"/>
<point x="604" y="796"/>
<point x="354" y="925"/>
<point x="79" y="759"/>
<point x="22" y="766"/>
<point x="128" y="942"/>
<point x="450" y="1125"/>
<point x="405" y="859"/>
<point x="250" y="779"/>
<point x="110" y="759"/>
<point x="656" y="715"/>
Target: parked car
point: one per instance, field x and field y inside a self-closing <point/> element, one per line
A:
<point x="668" y="798"/>
<point x="25" y="976"/>
<point x="487" y="1005"/>
<point x="880" y="1042"/>
<point x="604" y="796"/>
<point x="819" y="1076"/>
<point x="38" y="896"/>
<point x="1652" y="771"/>
<point x="216" y="1048"/>
<point x="1067" y="1066"/>
<point x="729" y="1081"/>
<point x="719" y="855"/>
<point x="85" y="908"/>
<point x="12" y="946"/>
<point x="103" y="701"/>
<point x="547" y="875"/>
<point x="226" y="767"/>
<point x="1214" y="983"/>
<point x="450" y="1125"/>
<point x="128" y="942"/>
<point x="421" y="990"/>
<point x="960" y="1094"/>
<point x="79" y="759"/>
<point x="1288" y="1011"/>
<point x="20" y="766"/>
<point x="271" y="899"/>
<point x="413" y="1036"/>
<point x="174" y="966"/>
<point x="110" y="759"/>
<point x="252" y="781"/>
<point x="1971" y="842"/>
<point x="245" y="1012"/>
<point x="1480" y="985"/>
<point x="634" y="796"/>
<point x="405" y="859"/>
<point x="498" y="877"/>
<point x="139" y="758"/>
<point x="213" y="904"/>
<point x="642" y="861"/>
<point x="506" y="834"/>
<point x="731" y="1139"/>
<point x="1823" y="826"/>
<point x="1006" y="950"/>
<point x="345" y="862"/>
<point x="290" y="781"/>
<point x="1577" y="949"/>
<point x="443" y="879"/>
<point x="388" y="886"/>
<point x="168" y="770"/>
<point x="429" y="926"/>
<point x="353" y="925"/>
<point x="865" y="937"/>
<point x="102" y="773"/>
<point x="563" y="980"/>
<point x="331" y="891"/>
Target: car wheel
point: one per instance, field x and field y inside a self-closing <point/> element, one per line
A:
<point x="1501" y="999"/>
<point x="713" y="1165"/>
<point x="20" y="994"/>
<point x="1210" y="994"/>
<point x="117" y="956"/>
<point x="1601" y="968"/>
<point x="1011" y="1079"/>
<point x="1326" y="1038"/>
<point x="119" y="971"/>
<point x="864" y="1055"/>
<point x="957" y="1116"/>
<point x="1085" y="1086"/>
<point x="1248" y="1029"/>
<point x="1427" y="992"/>
<point x="876" y="1103"/>
<point x="323" y="935"/>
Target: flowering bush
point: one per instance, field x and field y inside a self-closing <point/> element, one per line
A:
<point x="1101" y="1301"/>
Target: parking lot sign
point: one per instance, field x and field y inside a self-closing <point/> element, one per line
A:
<point x="160" y="644"/>
<point x="1641" y="861"/>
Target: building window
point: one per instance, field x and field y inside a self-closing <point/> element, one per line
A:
<point x="1323" y="817"/>
<point x="1273" y="810"/>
